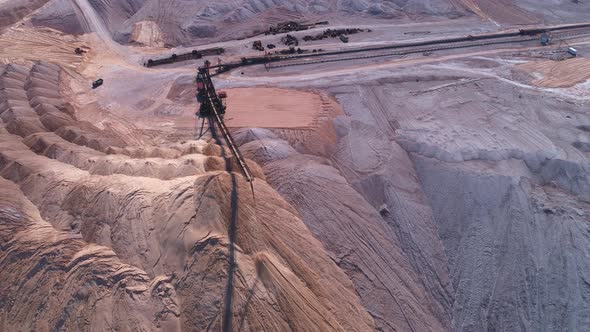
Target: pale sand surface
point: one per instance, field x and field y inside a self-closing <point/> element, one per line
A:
<point x="272" y="108"/>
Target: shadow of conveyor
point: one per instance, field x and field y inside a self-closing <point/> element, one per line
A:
<point x="229" y="288"/>
<point x="247" y="306"/>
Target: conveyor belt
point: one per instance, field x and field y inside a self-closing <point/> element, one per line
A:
<point x="523" y="35"/>
<point x="214" y="102"/>
<point x="565" y="31"/>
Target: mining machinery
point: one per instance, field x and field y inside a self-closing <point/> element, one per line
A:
<point x="212" y="108"/>
<point x="546" y="39"/>
<point x="210" y="101"/>
<point x="293" y="26"/>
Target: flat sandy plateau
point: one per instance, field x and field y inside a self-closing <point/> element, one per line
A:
<point x="272" y="108"/>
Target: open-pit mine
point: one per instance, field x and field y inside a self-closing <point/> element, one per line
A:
<point x="325" y="165"/>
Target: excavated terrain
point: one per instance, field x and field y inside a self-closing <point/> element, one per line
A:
<point x="503" y="174"/>
<point x="441" y="191"/>
<point x="147" y="236"/>
<point x="477" y="183"/>
<point x="13" y="11"/>
<point x="184" y="22"/>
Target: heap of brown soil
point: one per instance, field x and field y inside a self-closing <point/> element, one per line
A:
<point x="98" y="233"/>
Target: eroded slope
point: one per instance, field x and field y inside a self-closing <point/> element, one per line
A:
<point x="502" y="168"/>
<point x="134" y="236"/>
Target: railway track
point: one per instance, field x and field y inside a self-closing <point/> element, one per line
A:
<point x="418" y="50"/>
<point x="398" y="53"/>
<point x="524" y="35"/>
<point x="194" y="54"/>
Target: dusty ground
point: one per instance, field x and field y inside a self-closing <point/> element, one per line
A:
<point x="184" y="23"/>
<point x="138" y="271"/>
<point x="467" y="147"/>
<point x="273" y="108"/>
<point x="559" y="74"/>
<point x="18" y="44"/>
<point x="13" y="11"/>
<point x="440" y="192"/>
<point x="501" y="12"/>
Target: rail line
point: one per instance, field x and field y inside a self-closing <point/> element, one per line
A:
<point x="399" y="53"/>
<point x="194" y="54"/>
<point x="469" y="38"/>
<point x="418" y="50"/>
<point x="522" y="35"/>
<point x="247" y="61"/>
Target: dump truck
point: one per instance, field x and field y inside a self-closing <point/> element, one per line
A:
<point x="97" y="83"/>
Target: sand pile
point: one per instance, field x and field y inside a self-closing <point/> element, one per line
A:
<point x="18" y="44"/>
<point x="147" y="33"/>
<point x="184" y="23"/>
<point x="150" y="237"/>
<point x="359" y="239"/>
<point x="475" y="183"/>
<point x="502" y="11"/>
<point x="501" y="228"/>
<point x="74" y="285"/>
<point x="502" y="182"/>
<point x="13" y="11"/>
<point x="59" y="15"/>
<point x="557" y="11"/>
